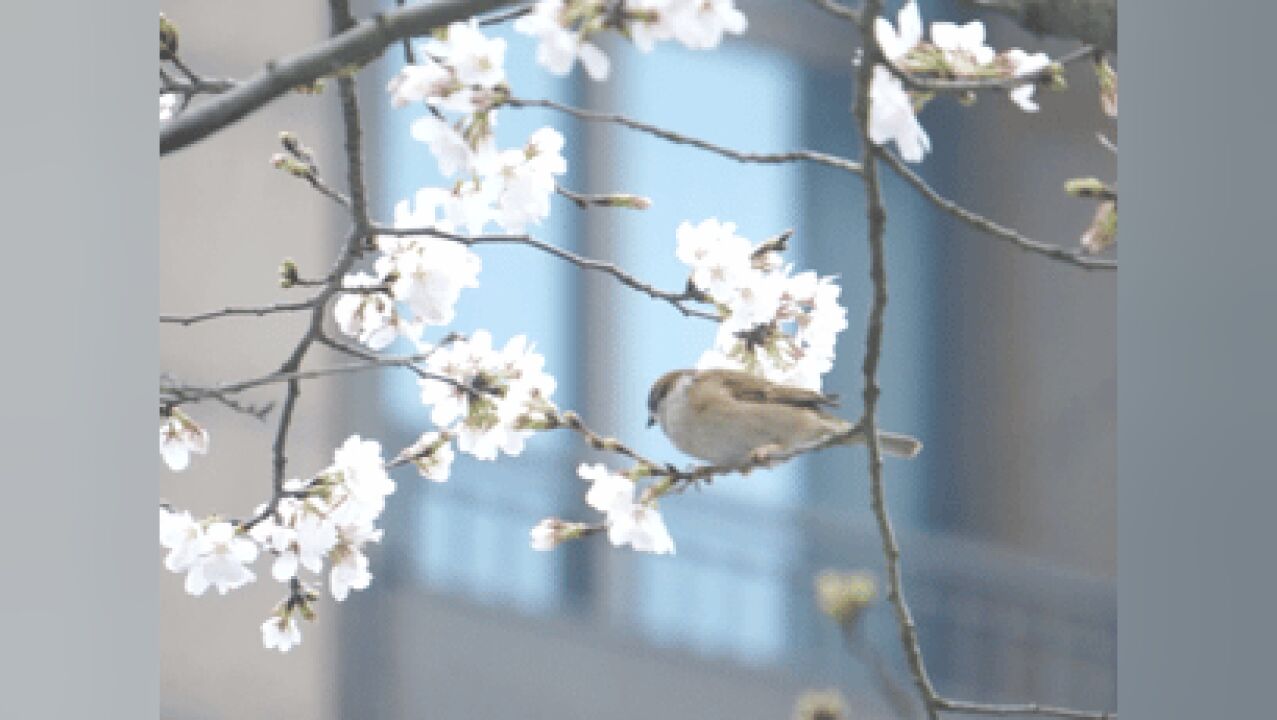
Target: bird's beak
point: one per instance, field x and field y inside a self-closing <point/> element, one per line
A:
<point x="651" y="420"/>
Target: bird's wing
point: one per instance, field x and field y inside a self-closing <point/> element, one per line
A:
<point x="749" y="389"/>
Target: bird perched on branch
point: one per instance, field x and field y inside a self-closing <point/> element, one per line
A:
<point x="735" y="420"/>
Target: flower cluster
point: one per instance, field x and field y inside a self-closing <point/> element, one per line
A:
<point x="490" y="400"/>
<point x="464" y="74"/>
<point x="564" y="28"/>
<point x="326" y="519"/>
<point x="422" y="274"/>
<point x="955" y="51"/>
<point x="179" y="437"/>
<point x="775" y="324"/>
<point x="629" y="522"/>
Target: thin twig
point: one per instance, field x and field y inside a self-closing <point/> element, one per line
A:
<point x="1021" y="709"/>
<point x="679" y="300"/>
<point x="837" y="9"/>
<point x="1074" y="257"/>
<point x="258" y="311"/>
<point x="183" y="394"/>
<point x="585" y="201"/>
<point x="681" y="139"/>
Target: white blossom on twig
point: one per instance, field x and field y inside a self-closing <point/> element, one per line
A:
<point x="179" y="437"/>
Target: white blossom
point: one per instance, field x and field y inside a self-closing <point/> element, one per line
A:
<point x="963" y="45"/>
<point x="179" y="437"/>
<point x="432" y="454"/>
<point x="223" y="555"/>
<point x="891" y="112"/>
<point x="280" y="632"/>
<point x="429" y="273"/>
<point x="512" y="386"/>
<point x="641" y="527"/>
<point x="425" y="83"/>
<point x="450" y="149"/>
<point x="350" y="565"/>
<point x="169" y="104"/>
<point x="526" y="180"/>
<point x="774" y="324"/>
<point x="895" y="43"/>
<point x="559" y="45"/>
<point x="363" y="475"/>
<point x="469" y="205"/>
<point x="1023" y="64"/>
<point x="547" y="534"/>
<point x="306" y="544"/>
<point x="369" y="316"/>
<point x="891" y="117"/>
<point x="719" y="258"/>
<point x="608" y="490"/>
<point x="182" y="536"/>
<point x="700" y="24"/>
<point x="476" y="59"/>
<point x="652" y="22"/>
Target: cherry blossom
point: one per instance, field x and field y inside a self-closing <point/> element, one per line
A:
<point x="369" y="316"/>
<point x="507" y="388"/>
<point x="547" y="534"/>
<point x="169" y="104"/>
<point x="280" y="632"/>
<point x="1023" y="64"/>
<point x="182" y="536"/>
<point x="700" y="24"/>
<point x="963" y="45"/>
<point x="641" y="527"/>
<point x="775" y="324"/>
<point x="179" y="437"/>
<point x="607" y="489"/>
<point x="223" y="554"/>
<point x="350" y="565"/>
<point x="718" y="256"/>
<point x="560" y="41"/>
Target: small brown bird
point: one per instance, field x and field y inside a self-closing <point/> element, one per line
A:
<point x="733" y="419"/>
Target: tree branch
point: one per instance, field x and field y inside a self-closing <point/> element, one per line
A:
<point x="681" y="139"/>
<point x="678" y="300"/>
<point x="1092" y="21"/>
<point x="233" y="311"/>
<point x="877" y="220"/>
<point x="355" y="46"/>
<point x="979" y="222"/>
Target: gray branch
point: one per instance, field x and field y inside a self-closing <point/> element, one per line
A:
<point x="362" y="42"/>
<point x="1094" y="22"/>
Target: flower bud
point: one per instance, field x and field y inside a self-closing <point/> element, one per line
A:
<point x="168" y="38"/>
<point x="1103" y="230"/>
<point x="288" y="275"/>
<point x="820" y="705"/>
<point x="845" y="595"/>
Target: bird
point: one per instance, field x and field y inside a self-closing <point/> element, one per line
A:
<point x="732" y="419"/>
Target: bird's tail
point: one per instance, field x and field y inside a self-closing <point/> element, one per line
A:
<point x="895" y="444"/>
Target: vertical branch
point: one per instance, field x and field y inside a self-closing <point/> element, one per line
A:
<point x="877" y="220"/>
<point x="341" y="20"/>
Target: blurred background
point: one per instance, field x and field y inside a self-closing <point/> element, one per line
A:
<point x="1002" y="362"/>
